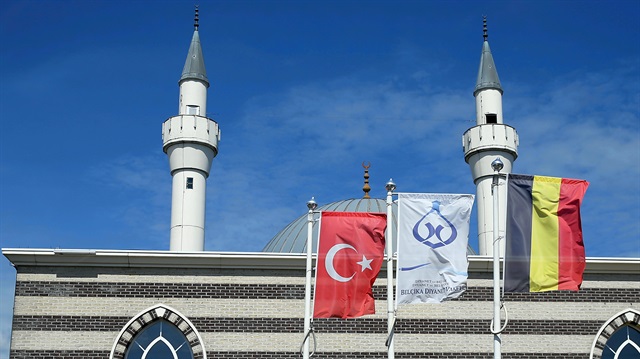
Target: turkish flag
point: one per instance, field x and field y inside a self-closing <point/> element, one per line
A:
<point x="350" y="254"/>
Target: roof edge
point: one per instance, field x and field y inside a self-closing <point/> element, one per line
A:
<point x="237" y="260"/>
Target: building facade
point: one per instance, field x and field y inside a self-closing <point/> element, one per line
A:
<point x="103" y="304"/>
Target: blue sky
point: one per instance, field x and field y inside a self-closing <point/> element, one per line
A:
<point x="304" y="92"/>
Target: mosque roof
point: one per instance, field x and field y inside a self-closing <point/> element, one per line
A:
<point x="293" y="237"/>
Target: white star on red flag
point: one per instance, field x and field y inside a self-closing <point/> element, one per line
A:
<point x="365" y="263"/>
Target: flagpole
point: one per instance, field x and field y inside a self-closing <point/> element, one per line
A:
<point x="390" y="187"/>
<point x="496" y="165"/>
<point x="312" y="205"/>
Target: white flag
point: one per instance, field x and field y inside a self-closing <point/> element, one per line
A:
<point x="433" y="232"/>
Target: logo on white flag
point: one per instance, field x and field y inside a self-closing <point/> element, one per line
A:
<point x="435" y="237"/>
<point x="439" y="231"/>
<point x="433" y="231"/>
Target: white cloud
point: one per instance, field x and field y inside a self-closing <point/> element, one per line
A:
<point x="586" y="126"/>
<point x="311" y="139"/>
<point x="143" y="185"/>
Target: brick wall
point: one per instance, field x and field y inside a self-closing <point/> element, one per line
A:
<point x="78" y="311"/>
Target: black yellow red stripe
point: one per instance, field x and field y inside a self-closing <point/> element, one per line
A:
<point x="545" y="250"/>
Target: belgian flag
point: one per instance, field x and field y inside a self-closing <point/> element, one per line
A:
<point x="544" y="249"/>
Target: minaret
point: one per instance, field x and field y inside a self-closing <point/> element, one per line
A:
<point x="190" y="139"/>
<point x="483" y="143"/>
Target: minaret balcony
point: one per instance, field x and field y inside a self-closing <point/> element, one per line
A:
<point x="190" y="129"/>
<point x="191" y="142"/>
<point x="490" y="137"/>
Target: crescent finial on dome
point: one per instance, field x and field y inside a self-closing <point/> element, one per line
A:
<point x="366" y="188"/>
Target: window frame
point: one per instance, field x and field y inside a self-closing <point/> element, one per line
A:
<point x="193" y="110"/>
<point x="491" y="118"/>
<point x="149" y="316"/>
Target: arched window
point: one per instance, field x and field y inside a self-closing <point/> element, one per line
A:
<point x="160" y="339"/>
<point x="623" y="344"/>
<point x="158" y="332"/>
<point x="619" y="337"/>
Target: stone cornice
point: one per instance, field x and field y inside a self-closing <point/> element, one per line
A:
<point x="238" y="260"/>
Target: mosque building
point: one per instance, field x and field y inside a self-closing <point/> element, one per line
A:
<point x="189" y="303"/>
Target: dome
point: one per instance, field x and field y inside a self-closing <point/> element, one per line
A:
<point x="293" y="237"/>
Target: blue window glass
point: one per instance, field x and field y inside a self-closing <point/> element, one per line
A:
<point x="623" y="344"/>
<point x="159" y="340"/>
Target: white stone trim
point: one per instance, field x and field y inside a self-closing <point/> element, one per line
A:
<point x="160" y="310"/>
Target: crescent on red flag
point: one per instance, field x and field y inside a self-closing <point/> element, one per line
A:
<point x="328" y="263"/>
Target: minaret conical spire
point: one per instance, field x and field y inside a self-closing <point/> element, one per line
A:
<point x="487" y="74"/>
<point x="194" y="65"/>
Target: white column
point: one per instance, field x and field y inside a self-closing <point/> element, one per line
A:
<point x="312" y="205"/>
<point x="188" y="210"/>
<point x="488" y="101"/>
<point x="496" y="165"/>
<point x="390" y="187"/>
<point x="193" y="93"/>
